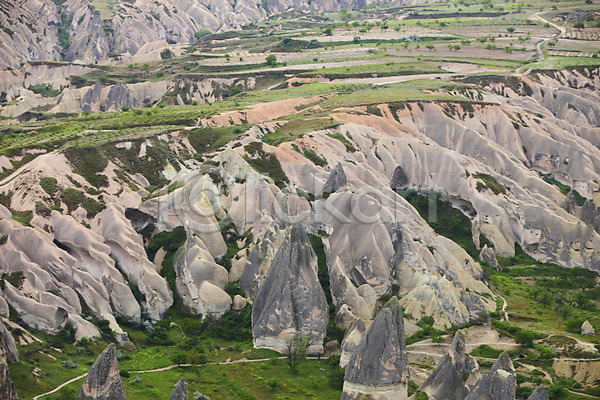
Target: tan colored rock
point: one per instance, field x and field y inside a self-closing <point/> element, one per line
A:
<point x="587" y="329"/>
<point x="238" y="302"/>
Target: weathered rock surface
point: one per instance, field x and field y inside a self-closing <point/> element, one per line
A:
<point x="103" y="381"/>
<point x="498" y="384"/>
<point x="93" y="256"/>
<point x="10" y="348"/>
<point x="539" y="394"/>
<point x="587" y="329"/>
<point x="336" y="180"/>
<point x="200" y="280"/>
<point x="127" y="248"/>
<point x="291" y="300"/>
<point x="379" y="367"/>
<point x="30" y="32"/>
<point x="180" y="392"/>
<point x="488" y="255"/>
<point x="454" y="375"/>
<point x="7" y="389"/>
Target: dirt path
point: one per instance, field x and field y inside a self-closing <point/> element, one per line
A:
<point x="504" y="308"/>
<point x="56" y="389"/>
<point x="538" y="47"/>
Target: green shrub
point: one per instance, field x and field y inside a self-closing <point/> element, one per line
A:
<point x="486" y="351"/>
<point x="49" y="184"/>
<point x="266" y="163"/>
<point x="72" y="198"/>
<point x="489" y="182"/>
<point x="88" y="162"/>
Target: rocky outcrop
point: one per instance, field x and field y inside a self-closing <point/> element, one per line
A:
<point x="291" y="301"/>
<point x="336" y="180"/>
<point x="10" y="348"/>
<point x="93" y="256"/>
<point x="378" y="370"/>
<point x="127" y="248"/>
<point x="29" y="32"/>
<point x="103" y="381"/>
<point x="539" y="394"/>
<point x="7" y="389"/>
<point x="46" y="282"/>
<point x="200" y="280"/>
<point x="180" y="392"/>
<point x="454" y="375"/>
<point x="587" y="329"/>
<point x="498" y="384"/>
<point x="488" y="255"/>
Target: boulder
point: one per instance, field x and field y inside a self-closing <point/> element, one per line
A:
<point x="378" y="370"/>
<point x="238" y="303"/>
<point x="498" y="384"/>
<point x="103" y="381"/>
<point x="587" y="329"/>
<point x="180" y="392"/>
<point x="291" y="300"/>
<point x="450" y="379"/>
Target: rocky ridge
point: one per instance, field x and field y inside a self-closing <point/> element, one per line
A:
<point x="87" y="31"/>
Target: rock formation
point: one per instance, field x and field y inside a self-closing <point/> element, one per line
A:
<point x="103" y="381"/>
<point x="336" y="180"/>
<point x="200" y="280"/>
<point x="7" y="390"/>
<point x="454" y="375"/>
<point x="498" y="384"/>
<point x="587" y="329"/>
<point x="488" y="255"/>
<point x="127" y="248"/>
<point x="180" y="392"/>
<point x="378" y="370"/>
<point x="539" y="394"/>
<point x="291" y="300"/>
<point x="10" y="348"/>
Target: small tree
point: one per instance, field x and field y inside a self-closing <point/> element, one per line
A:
<point x="271" y="60"/>
<point x="430" y="47"/>
<point x="525" y="338"/>
<point x="296" y="350"/>
<point x="579" y="25"/>
<point x="273" y="383"/>
<point x="510" y="29"/>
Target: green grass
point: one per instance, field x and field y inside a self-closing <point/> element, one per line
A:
<point x="297" y="127"/>
<point x="207" y="140"/>
<point x="45" y="90"/>
<point x="558" y="62"/>
<point x="380" y="70"/>
<point x="243" y="380"/>
<point x="265" y="163"/>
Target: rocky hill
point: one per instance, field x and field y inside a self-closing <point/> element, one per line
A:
<point x="88" y="31"/>
<point x="190" y="196"/>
